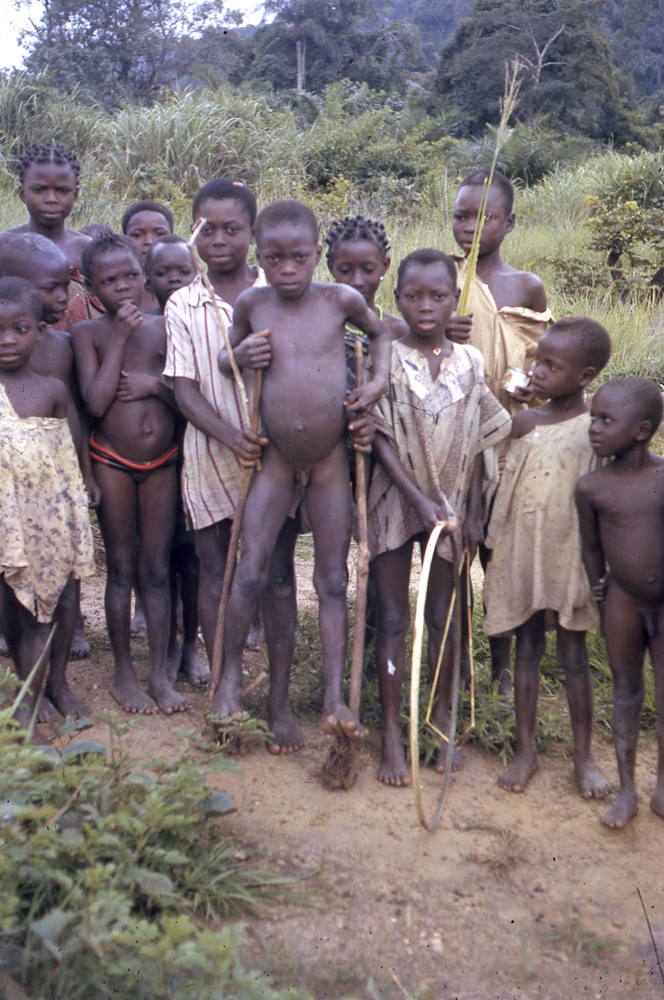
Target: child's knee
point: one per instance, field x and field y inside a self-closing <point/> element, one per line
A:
<point x="331" y="582"/>
<point x="250" y="580"/>
<point x="392" y="624"/>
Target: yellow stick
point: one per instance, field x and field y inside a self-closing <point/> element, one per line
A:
<point x="357" y="656"/>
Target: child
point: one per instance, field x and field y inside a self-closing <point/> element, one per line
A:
<point x="535" y="562"/>
<point x="49" y="188"/>
<point x="621" y="512"/>
<point x="119" y="360"/>
<point x="43" y="264"/>
<point x="41" y="486"/>
<point x="144" y="222"/>
<point x="169" y="265"/>
<point x="437" y="432"/>
<point x="358" y="254"/>
<point x="302" y="409"/>
<point x="508" y="314"/>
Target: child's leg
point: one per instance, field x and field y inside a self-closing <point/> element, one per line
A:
<point x="268" y="502"/>
<point x="196" y="671"/>
<point x="280" y="617"/>
<point x="656" y="646"/>
<point x="212" y="551"/>
<point x="436" y="608"/>
<point x="625" y="644"/>
<point x="574" y="660"/>
<point x="157" y="508"/>
<point x="530" y="645"/>
<point x="391" y="573"/>
<point x="117" y="520"/>
<point x="80" y="647"/>
<point x="25" y="638"/>
<point x="329" y="508"/>
<point x="57" y="689"/>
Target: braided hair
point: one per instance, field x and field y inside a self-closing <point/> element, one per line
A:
<point x="356" y="228"/>
<point x="48" y="153"/>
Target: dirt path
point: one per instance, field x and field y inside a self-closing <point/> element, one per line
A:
<point x="512" y="897"/>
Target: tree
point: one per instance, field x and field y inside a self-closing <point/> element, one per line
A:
<point x="638" y="42"/>
<point x="568" y="72"/>
<point x="436" y="20"/>
<point x="312" y="43"/>
<point x="115" y="51"/>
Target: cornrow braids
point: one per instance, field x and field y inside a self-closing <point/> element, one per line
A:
<point x="48" y="153"/>
<point x="356" y="228"/>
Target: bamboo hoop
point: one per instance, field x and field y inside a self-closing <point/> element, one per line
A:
<point x="362" y="571"/>
<point x="416" y="669"/>
<point x="231" y="556"/>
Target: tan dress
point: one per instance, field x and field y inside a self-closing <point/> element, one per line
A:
<point x="534" y="531"/>
<point x="437" y="428"/>
<point x="504" y="337"/>
<point x="44" y="522"/>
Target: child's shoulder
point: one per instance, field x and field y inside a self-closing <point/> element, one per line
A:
<point x="526" y="290"/>
<point x="90" y="329"/>
<point x="396" y="327"/>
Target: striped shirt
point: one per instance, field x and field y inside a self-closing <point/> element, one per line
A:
<point x="211" y="475"/>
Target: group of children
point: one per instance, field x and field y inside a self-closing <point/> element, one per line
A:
<point x="148" y="381"/>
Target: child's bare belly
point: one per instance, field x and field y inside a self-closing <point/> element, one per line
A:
<point x="304" y="426"/>
<point x="141" y="430"/>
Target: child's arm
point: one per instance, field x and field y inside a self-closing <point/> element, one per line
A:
<point x="591" y="542"/>
<point x="380" y="348"/>
<point x="522" y="423"/>
<point x="138" y="385"/>
<point x="472" y="531"/>
<point x="429" y="512"/>
<point x="458" y="329"/>
<point x="250" y="350"/>
<point x="99" y="382"/>
<point x="194" y="407"/>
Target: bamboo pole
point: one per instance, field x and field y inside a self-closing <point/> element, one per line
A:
<point x="231" y="556"/>
<point x="362" y="573"/>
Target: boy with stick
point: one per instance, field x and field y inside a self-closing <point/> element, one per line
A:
<point x="293" y="330"/>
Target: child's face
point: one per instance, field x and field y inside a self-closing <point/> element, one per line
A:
<point x="19" y="332"/>
<point x="52" y="282"/>
<point x="49" y="191"/>
<point x="289" y="255"/>
<point x="464" y="219"/>
<point x="146" y="227"/>
<point x="559" y="368"/>
<point x="360" y="264"/>
<point x="427" y="298"/>
<point x="224" y="240"/>
<point x="117" y="277"/>
<point x="615" y="422"/>
<point x="171" y="267"/>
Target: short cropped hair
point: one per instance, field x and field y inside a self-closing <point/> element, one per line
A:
<point x="21" y="254"/>
<point x="96" y="229"/>
<point x="146" y="206"/>
<point x="170" y="239"/>
<point x="478" y="177"/>
<point x="107" y="244"/>
<point x="644" y="394"/>
<point x="222" y="188"/>
<point x="20" y="290"/>
<point x="588" y="335"/>
<point x="356" y="228"/>
<point x="424" y="258"/>
<point x="280" y="212"/>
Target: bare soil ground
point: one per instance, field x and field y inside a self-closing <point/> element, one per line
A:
<point x="513" y="896"/>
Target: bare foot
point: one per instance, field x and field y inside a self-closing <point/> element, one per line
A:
<point x="46" y="710"/>
<point x="441" y="760"/>
<point x="226" y="700"/>
<point x="505" y="684"/>
<point x="167" y="698"/>
<point x="622" y="809"/>
<point x="173" y="659"/>
<point x="519" y="773"/>
<point x="338" y="719"/>
<point x="256" y="637"/>
<point x="129" y="696"/>
<point x="67" y="703"/>
<point x="80" y="647"/>
<point x="287" y="735"/>
<point x="4" y="648"/>
<point x="393" y="769"/>
<point x="592" y="783"/>
<point x="657" y="801"/>
<point x="139" y="626"/>
<point x="196" y="671"/>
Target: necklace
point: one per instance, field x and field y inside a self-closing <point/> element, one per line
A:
<point x="437" y="350"/>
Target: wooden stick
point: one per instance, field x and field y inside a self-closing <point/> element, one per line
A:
<point x="357" y="656"/>
<point x="218" y="648"/>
